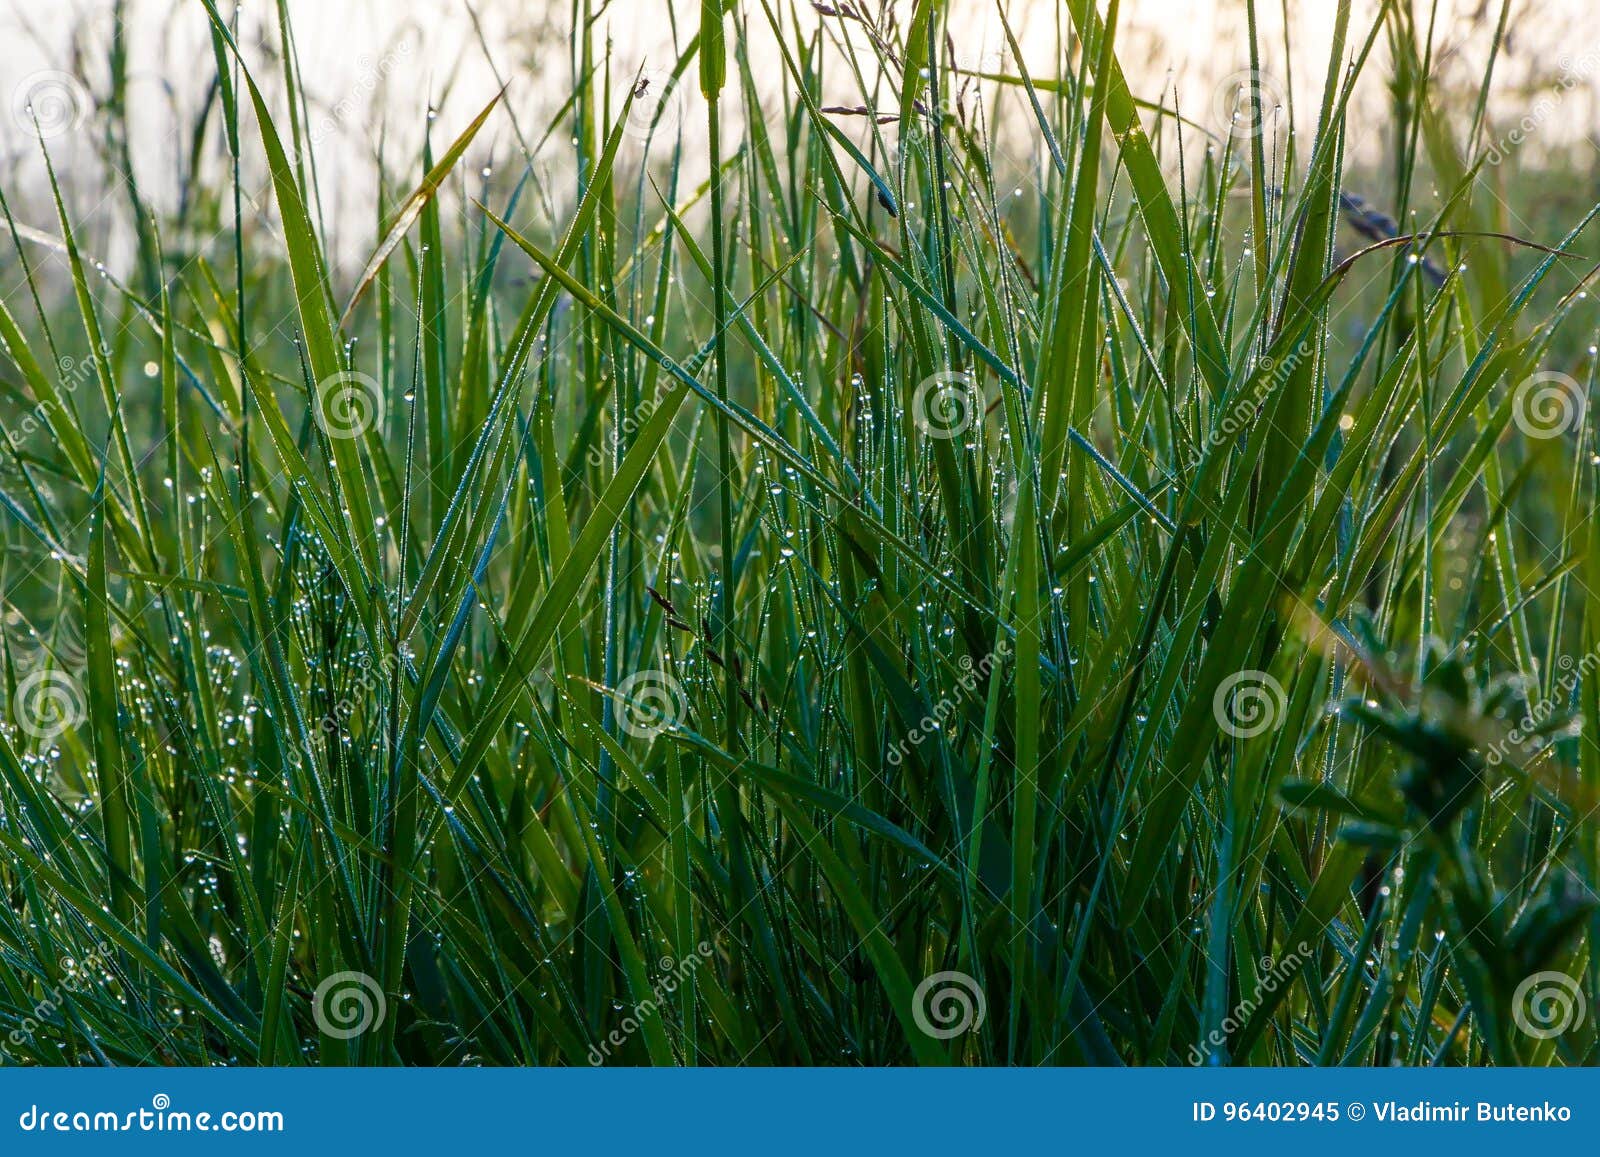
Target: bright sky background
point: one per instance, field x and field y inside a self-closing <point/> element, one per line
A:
<point x="347" y="48"/>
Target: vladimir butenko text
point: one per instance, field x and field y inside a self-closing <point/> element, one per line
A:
<point x="1378" y="1112"/>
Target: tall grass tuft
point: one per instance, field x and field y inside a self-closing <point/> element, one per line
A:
<point x="836" y="554"/>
